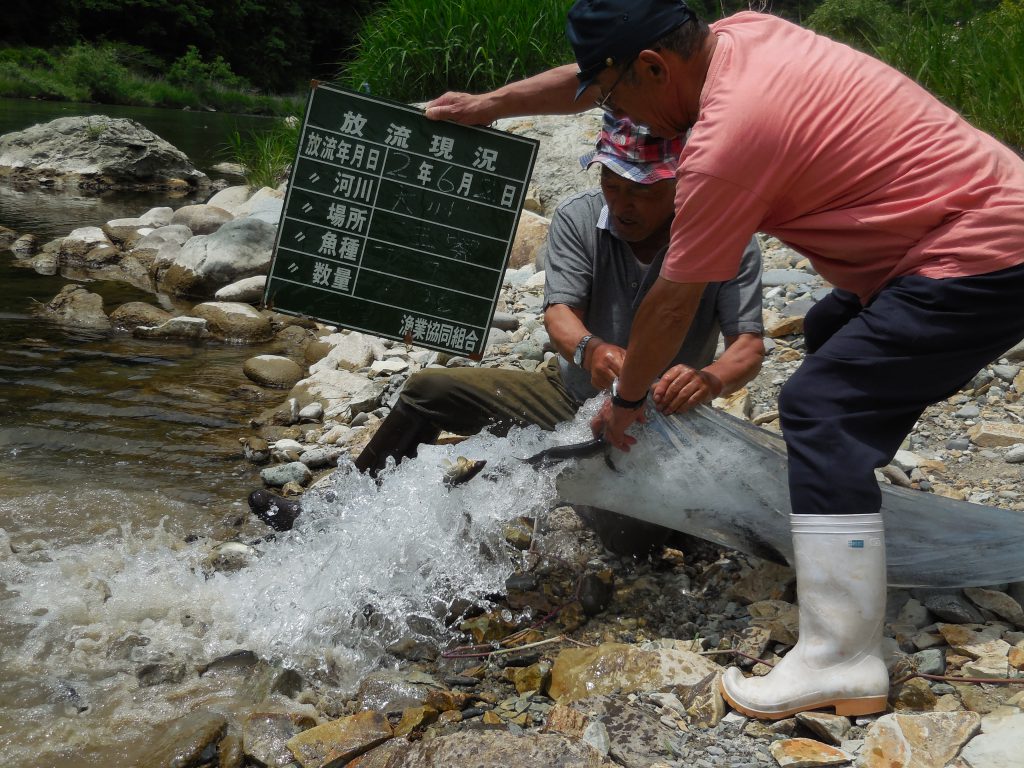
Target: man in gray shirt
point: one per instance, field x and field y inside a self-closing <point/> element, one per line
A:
<point x="605" y="248"/>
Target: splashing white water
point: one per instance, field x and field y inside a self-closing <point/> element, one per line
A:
<point x="365" y="566"/>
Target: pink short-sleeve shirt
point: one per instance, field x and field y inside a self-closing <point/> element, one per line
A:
<point x="842" y="158"/>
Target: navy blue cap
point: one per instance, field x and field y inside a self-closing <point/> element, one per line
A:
<point x="606" y="33"/>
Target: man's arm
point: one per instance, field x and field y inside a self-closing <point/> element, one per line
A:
<point x="602" y="359"/>
<point x="683" y="388"/>
<point x="659" y="328"/>
<point x="550" y="93"/>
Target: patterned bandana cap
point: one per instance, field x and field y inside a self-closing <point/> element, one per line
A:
<point x="633" y="153"/>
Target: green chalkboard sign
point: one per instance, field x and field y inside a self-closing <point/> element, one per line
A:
<point x="397" y="225"/>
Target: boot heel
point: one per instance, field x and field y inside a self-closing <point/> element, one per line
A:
<point x="868" y="705"/>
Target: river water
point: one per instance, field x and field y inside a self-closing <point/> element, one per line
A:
<point x="119" y="462"/>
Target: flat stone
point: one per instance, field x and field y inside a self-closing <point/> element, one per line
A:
<point x="235" y="321"/>
<point x="184" y="741"/>
<point x="990" y="434"/>
<point x="765" y="581"/>
<point x="976" y="640"/>
<point x="616" y="667"/>
<point x="781" y="619"/>
<point x="273" y="371"/>
<point x="1000" y="744"/>
<point x="952" y="608"/>
<point x="999" y="603"/>
<point x="831" y="728"/>
<point x="266" y="735"/>
<point x="341" y="739"/>
<point x="904" y="740"/>
<point x="806" y="753"/>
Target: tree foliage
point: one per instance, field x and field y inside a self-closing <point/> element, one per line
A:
<point x="276" y="45"/>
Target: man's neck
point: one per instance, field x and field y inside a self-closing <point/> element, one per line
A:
<point x="645" y="250"/>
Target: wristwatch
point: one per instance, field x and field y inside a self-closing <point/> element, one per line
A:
<point x="621" y="402"/>
<point x="581" y="350"/>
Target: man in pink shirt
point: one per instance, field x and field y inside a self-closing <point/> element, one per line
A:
<point x="915" y="216"/>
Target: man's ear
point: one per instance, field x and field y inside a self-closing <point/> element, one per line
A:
<point x="652" y="64"/>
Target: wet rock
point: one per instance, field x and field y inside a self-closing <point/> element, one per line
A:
<point x="136" y="313"/>
<point x="340" y="740"/>
<point x="389" y="691"/>
<point x="96" y="152"/>
<point x="248" y="290"/>
<point x="239" y="249"/>
<point x="265" y="736"/>
<point x="234" y="321"/>
<point x="177" y="328"/>
<point x="616" y="667"/>
<point x="904" y="740"/>
<point x="188" y="742"/>
<point x="292" y="472"/>
<point x="25" y="246"/>
<point x="914" y="694"/>
<point x="273" y="371"/>
<point x="201" y="219"/>
<point x="321" y="458"/>
<point x="806" y="753"/>
<point x="75" y="306"/>
<point x="536" y="677"/>
<point x="255" y="449"/>
<point x="7" y="236"/>
<point x="596" y="591"/>
<point x="81" y="241"/>
<point x="415" y="718"/>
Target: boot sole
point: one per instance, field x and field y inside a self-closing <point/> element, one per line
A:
<point x="865" y="705"/>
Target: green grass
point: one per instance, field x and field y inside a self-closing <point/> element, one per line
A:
<point x="265" y="155"/>
<point x="413" y="50"/>
<point x="121" y="74"/>
<point x="973" y="64"/>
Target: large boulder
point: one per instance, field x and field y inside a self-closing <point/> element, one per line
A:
<point x="239" y="249"/>
<point x="96" y="152"/>
<point x="76" y="307"/>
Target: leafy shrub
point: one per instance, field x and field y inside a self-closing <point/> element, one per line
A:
<point x="856" y="22"/>
<point x="191" y="71"/>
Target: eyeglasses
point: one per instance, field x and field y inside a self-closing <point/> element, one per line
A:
<point x="603" y="103"/>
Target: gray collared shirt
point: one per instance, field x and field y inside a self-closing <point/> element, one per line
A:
<point x="589" y="268"/>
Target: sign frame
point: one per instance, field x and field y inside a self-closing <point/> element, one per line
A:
<point x="417" y="327"/>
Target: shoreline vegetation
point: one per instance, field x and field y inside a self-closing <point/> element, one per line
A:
<point x="969" y="54"/>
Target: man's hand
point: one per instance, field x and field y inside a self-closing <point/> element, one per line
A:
<point x="683" y="388"/>
<point x="612" y="423"/>
<point x="465" y="108"/>
<point x="605" y="363"/>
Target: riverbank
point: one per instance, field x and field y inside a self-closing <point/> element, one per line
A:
<point x="358" y="621"/>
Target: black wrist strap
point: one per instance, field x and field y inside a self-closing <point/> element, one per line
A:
<point x="622" y="402"/>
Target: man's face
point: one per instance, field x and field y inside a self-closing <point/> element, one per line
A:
<point x="638" y="210"/>
<point x="624" y="93"/>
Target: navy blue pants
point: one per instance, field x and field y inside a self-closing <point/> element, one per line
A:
<point x="871" y="371"/>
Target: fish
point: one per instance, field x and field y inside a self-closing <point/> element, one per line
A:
<point x="460" y="471"/>
<point x="558" y="453"/>
<point x="722" y="479"/>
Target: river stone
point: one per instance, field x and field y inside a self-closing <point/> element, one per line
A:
<point x="531" y="235"/>
<point x="991" y="434"/>
<point x="177" y="328"/>
<point x="1000" y="744"/>
<point x="904" y="740"/>
<point x="96" y="152"/>
<point x="616" y="667"/>
<point x="249" y="290"/>
<point x="239" y="249"/>
<point x="136" y="313"/>
<point x="266" y="735"/>
<point x="7" y="236"/>
<point x="347" y="352"/>
<point x="265" y="205"/>
<point x="486" y="749"/>
<point x="185" y="742"/>
<point x="281" y="474"/>
<point x="340" y="391"/>
<point x="201" y="219"/>
<point x="319" y="458"/>
<point x="177" y="234"/>
<point x="235" y="321"/>
<point x="272" y="371"/>
<point x="25" y="246"/>
<point x="81" y="241"/>
<point x="77" y="307"/>
<point x="340" y="740"/>
<point x="999" y="603"/>
<point x="806" y="753"/>
<point x="780" y="618"/>
<point x="230" y="198"/>
<point x="831" y="728"/>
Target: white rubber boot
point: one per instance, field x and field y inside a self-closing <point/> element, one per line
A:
<point x="837" y="661"/>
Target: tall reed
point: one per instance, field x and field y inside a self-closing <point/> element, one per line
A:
<point x="412" y="50"/>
